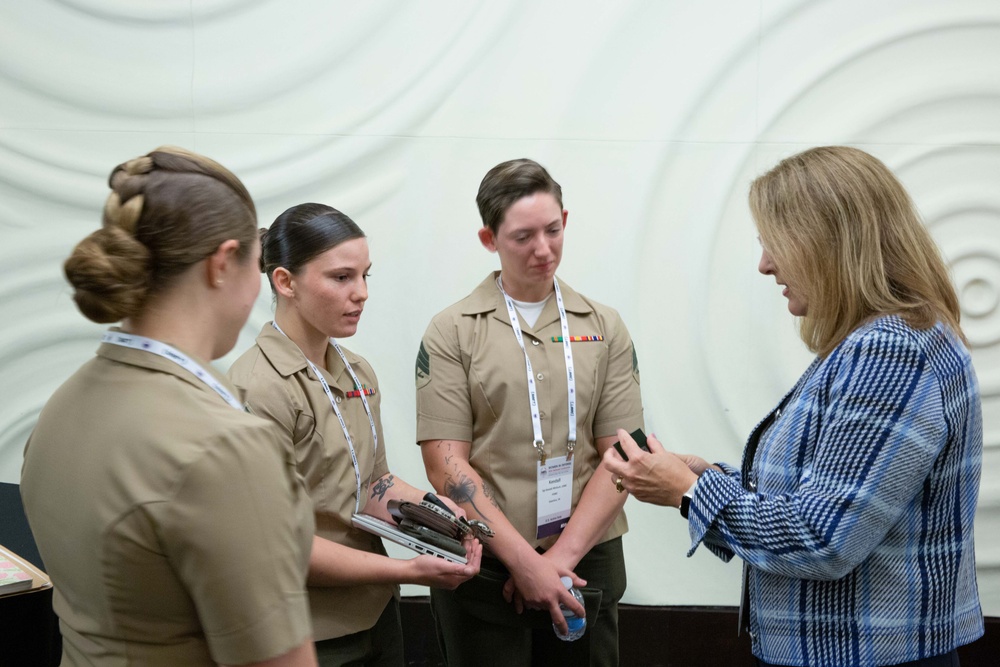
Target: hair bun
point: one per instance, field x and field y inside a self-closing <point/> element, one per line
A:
<point x="139" y="165"/>
<point x="109" y="271"/>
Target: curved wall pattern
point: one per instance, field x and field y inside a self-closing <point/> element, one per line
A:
<point x="653" y="116"/>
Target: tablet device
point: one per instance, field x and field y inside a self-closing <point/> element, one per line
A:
<point x="390" y="532"/>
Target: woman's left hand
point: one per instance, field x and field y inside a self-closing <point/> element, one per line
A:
<point x="658" y="476"/>
<point x="444" y="574"/>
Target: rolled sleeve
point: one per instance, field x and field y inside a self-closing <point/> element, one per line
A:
<point x="444" y="410"/>
<point x="620" y="405"/>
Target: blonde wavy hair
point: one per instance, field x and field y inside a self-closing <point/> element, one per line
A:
<point x="842" y="229"/>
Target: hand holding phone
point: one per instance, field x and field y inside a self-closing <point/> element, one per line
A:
<point x="640" y="439"/>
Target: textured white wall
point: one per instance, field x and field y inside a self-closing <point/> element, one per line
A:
<point x="654" y="116"/>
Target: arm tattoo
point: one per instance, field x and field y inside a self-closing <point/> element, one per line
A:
<point x="462" y="491"/>
<point x="381" y="486"/>
<point x="488" y="492"/>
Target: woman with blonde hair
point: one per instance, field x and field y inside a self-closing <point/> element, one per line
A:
<point x="853" y="508"/>
<point x="172" y="523"/>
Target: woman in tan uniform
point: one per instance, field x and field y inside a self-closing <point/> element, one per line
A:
<point x="172" y="523"/>
<point x="520" y="388"/>
<point x="326" y="401"/>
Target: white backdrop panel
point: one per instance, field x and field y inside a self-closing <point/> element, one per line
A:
<point x="654" y="116"/>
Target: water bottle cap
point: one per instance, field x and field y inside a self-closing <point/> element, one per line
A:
<point x="567" y="582"/>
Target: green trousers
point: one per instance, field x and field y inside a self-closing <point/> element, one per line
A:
<point x="379" y="646"/>
<point x="477" y="627"/>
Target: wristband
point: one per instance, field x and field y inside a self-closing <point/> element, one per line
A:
<point x="686" y="500"/>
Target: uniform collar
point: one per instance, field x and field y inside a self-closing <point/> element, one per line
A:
<point x="286" y="357"/>
<point x="487" y="298"/>
<point x="154" y="362"/>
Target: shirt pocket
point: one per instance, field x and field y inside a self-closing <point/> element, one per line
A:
<point x="489" y="390"/>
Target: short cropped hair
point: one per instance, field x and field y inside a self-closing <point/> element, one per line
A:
<point x="842" y="229"/>
<point x="508" y="182"/>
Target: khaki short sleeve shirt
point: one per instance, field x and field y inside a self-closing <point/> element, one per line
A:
<point x="176" y="529"/>
<point x="279" y="385"/>
<point x="472" y="387"/>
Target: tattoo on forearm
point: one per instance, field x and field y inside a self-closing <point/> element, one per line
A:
<point x="381" y="486"/>
<point x="462" y="491"/>
<point x="488" y="492"/>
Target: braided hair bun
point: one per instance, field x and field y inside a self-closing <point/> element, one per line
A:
<point x="167" y="211"/>
<point x="109" y="269"/>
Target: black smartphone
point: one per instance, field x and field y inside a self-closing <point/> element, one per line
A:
<point x="432" y="537"/>
<point x="640" y="439"/>
<point x="434" y="500"/>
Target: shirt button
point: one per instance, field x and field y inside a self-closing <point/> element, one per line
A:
<point x="339" y="399"/>
<point x="535" y="342"/>
<point x="540" y="376"/>
<point x="542" y="415"/>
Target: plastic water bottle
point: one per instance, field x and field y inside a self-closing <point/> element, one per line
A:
<point x="576" y="625"/>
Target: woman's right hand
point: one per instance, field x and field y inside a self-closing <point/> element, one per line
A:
<point x="440" y="573"/>
<point x="657" y="476"/>
<point x="535" y="584"/>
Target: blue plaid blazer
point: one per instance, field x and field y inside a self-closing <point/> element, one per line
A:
<point x="854" y="505"/>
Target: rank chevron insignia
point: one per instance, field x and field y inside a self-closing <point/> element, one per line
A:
<point x="423" y="371"/>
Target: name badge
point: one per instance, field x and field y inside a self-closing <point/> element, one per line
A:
<point x="555" y="495"/>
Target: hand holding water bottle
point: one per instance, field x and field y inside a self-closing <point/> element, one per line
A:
<point x="576" y="625"/>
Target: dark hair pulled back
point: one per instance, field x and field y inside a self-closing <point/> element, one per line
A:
<point x="302" y="233"/>
<point x="167" y="211"/>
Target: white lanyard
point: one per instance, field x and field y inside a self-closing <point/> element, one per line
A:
<point x="340" y="417"/>
<point x="174" y="355"/>
<point x="536" y="422"/>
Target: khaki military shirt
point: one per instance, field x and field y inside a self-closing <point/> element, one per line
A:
<point x="472" y="386"/>
<point x="280" y="386"/>
<point x="175" y="528"/>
